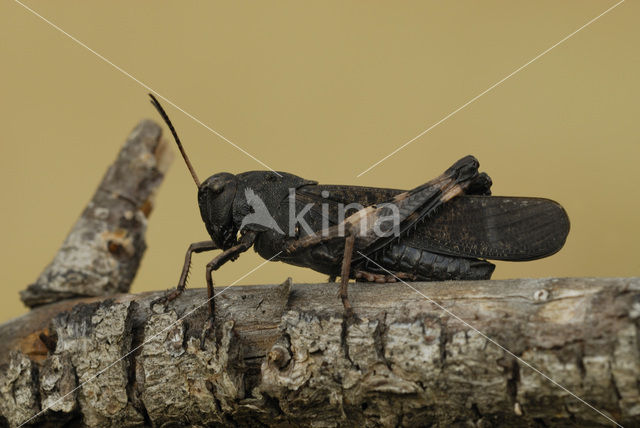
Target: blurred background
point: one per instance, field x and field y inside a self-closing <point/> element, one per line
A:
<point x="322" y="90"/>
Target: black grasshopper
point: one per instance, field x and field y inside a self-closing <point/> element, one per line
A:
<point x="441" y="230"/>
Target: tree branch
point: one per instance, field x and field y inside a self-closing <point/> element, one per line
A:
<point x="101" y="254"/>
<point x="284" y="355"/>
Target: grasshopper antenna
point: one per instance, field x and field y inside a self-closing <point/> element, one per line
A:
<point x="158" y="107"/>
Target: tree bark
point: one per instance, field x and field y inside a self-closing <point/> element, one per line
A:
<point x="101" y="254"/>
<point x="284" y="355"/>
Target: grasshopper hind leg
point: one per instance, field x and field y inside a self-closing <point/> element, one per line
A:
<point x="383" y="277"/>
<point x="346" y="274"/>
<point x="480" y="185"/>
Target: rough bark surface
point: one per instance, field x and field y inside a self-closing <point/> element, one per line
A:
<point x="101" y="254"/>
<point x="284" y="355"/>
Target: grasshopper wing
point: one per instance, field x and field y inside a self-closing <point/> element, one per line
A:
<point x="492" y="227"/>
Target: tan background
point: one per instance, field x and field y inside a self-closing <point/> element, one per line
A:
<point x="322" y="91"/>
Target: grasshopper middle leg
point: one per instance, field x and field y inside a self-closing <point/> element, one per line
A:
<point x="231" y="254"/>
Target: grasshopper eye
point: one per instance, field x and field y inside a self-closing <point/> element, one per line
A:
<point x="217" y="187"/>
<point x="218" y="183"/>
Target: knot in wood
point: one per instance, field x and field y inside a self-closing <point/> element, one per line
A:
<point x="279" y="356"/>
<point x="541" y="295"/>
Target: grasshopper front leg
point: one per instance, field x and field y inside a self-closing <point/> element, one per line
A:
<point x="196" y="247"/>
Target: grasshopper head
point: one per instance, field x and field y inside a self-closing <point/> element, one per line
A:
<point x="215" y="198"/>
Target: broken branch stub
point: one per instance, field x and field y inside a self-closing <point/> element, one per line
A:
<point x="101" y="254"/>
